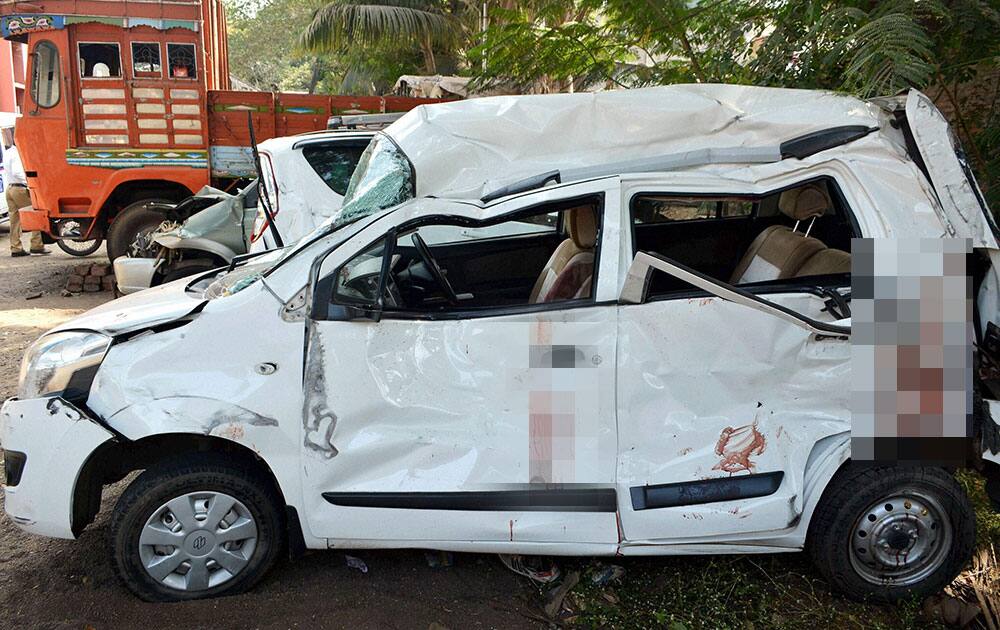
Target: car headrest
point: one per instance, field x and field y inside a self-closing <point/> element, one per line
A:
<point x="583" y="226"/>
<point x="804" y="203"/>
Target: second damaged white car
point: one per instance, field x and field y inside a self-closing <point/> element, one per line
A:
<point x="652" y="357"/>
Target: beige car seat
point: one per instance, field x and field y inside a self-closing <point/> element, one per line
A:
<point x="570" y="270"/>
<point x="779" y="251"/>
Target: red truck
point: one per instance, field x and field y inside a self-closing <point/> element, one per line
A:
<point x="128" y="106"/>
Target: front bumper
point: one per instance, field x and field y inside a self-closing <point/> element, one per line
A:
<point x="55" y="439"/>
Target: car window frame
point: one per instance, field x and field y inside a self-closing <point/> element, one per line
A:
<point x="362" y="143"/>
<point x="805" y="284"/>
<point x="324" y="287"/>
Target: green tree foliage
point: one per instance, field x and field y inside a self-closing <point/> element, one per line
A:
<point x="430" y="26"/>
<point x="264" y="52"/>
<point x="262" y="45"/>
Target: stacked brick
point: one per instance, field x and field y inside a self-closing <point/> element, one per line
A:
<point x="91" y="278"/>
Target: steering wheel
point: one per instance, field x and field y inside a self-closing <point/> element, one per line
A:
<point x="435" y="269"/>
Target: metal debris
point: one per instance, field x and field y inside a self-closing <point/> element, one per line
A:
<point x="356" y="563"/>
<point x="536" y="568"/>
<point x="604" y="574"/>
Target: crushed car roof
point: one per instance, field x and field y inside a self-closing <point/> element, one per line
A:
<point x="468" y="149"/>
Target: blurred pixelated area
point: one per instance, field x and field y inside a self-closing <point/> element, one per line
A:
<point x="911" y="354"/>
<point x="562" y="434"/>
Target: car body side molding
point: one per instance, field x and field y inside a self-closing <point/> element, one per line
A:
<point x="706" y="490"/>
<point x="526" y="500"/>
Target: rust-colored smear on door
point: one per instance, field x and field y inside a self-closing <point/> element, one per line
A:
<point x="736" y="446"/>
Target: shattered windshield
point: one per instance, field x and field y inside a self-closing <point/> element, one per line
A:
<point x="382" y="179"/>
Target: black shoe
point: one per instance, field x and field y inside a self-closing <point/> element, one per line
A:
<point x="18" y="254"/>
<point x="40" y="252"/>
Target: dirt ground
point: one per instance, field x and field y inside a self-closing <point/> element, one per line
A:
<point x="46" y="583"/>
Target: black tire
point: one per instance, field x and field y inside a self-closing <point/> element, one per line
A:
<point x="845" y="504"/>
<point x="203" y="472"/>
<point x="79" y="248"/>
<point x="133" y="219"/>
<point x="187" y="268"/>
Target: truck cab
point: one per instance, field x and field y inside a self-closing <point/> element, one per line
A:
<point x="115" y="108"/>
<point x="128" y="111"/>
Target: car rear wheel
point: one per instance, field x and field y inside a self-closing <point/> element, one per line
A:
<point x="194" y="528"/>
<point x="887" y="533"/>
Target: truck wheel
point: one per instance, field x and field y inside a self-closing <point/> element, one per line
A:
<point x="187" y="268"/>
<point x="79" y="248"/>
<point x="886" y="533"/>
<point x="133" y="220"/>
<point x="196" y="527"/>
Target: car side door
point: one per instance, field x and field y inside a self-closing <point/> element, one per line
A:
<point x="727" y="395"/>
<point x="485" y="430"/>
<point x="723" y="400"/>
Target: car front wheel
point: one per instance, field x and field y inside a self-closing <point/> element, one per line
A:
<point x="195" y="527"/>
<point x="886" y="533"/>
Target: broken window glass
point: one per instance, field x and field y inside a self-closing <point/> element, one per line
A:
<point x="662" y="209"/>
<point x="383" y="179"/>
<point x="99" y="60"/>
<point x="334" y="163"/>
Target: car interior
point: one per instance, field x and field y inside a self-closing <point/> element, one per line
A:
<point x="800" y="235"/>
<point x="547" y="255"/>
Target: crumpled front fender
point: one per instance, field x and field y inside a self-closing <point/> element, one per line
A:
<point x="189" y="414"/>
<point x="275" y="444"/>
<point x="56" y="439"/>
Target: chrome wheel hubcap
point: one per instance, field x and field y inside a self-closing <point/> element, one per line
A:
<point x="900" y="539"/>
<point x="198" y="541"/>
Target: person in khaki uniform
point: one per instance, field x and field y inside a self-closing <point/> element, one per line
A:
<point x="16" y="184"/>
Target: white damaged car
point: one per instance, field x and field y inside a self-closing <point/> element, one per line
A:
<point x="650" y="357"/>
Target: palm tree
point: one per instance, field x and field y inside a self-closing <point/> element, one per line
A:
<point x="428" y="24"/>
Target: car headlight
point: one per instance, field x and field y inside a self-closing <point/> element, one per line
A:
<point x="62" y="363"/>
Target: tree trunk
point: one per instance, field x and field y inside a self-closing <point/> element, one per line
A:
<point x="317" y="74"/>
<point x="430" y="66"/>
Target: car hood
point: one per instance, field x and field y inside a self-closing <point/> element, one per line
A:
<point x="144" y="309"/>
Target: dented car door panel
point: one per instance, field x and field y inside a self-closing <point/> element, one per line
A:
<point x="460" y="407"/>
<point x="723" y="398"/>
<point x="498" y="429"/>
<point x="702" y="399"/>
